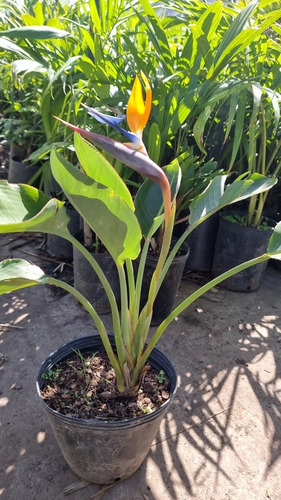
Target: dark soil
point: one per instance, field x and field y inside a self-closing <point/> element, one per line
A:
<point x="84" y="387"/>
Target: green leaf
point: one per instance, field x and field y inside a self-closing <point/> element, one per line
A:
<point x="149" y="198"/>
<point x="133" y="51"/>
<point x="207" y="201"/>
<point x="108" y="215"/>
<point x="257" y="94"/>
<point x="66" y="67"/>
<point x="184" y="108"/>
<point x="199" y="126"/>
<point x="239" y="127"/>
<point x="210" y="19"/>
<point x="232" y="111"/>
<point x="242" y="41"/>
<point x="274" y="244"/>
<point x="98" y="168"/>
<point x="241" y="188"/>
<point x="156" y="35"/>
<point x="275" y="101"/>
<point x="35" y="32"/>
<point x="24" y="208"/>
<point x="154" y="142"/>
<point x="214" y="197"/>
<point x="27" y="66"/>
<point x="95" y="16"/>
<point x="203" y="48"/>
<point x="17" y="273"/>
<point x="235" y="28"/>
<point x="13" y="47"/>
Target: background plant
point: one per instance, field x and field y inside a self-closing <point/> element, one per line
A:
<point x="203" y="60"/>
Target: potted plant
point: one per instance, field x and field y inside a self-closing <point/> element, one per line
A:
<point x="103" y="448"/>
<point x="248" y="227"/>
<point x="19" y="131"/>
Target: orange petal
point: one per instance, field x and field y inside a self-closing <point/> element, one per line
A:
<point x="148" y="100"/>
<point x="138" y="111"/>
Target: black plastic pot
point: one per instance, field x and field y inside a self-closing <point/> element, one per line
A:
<point x="17" y="152"/>
<point x="21" y="173"/>
<point x="87" y="282"/>
<point x="236" y="244"/>
<point x="60" y="247"/>
<point x="104" y="451"/>
<point x="202" y="243"/>
<point x="166" y="296"/>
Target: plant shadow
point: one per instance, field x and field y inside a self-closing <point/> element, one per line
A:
<point x="225" y="422"/>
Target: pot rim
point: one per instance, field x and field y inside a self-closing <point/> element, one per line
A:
<point x="55" y="357"/>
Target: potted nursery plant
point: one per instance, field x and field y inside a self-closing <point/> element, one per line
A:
<point x="248" y="227"/>
<point x="99" y="444"/>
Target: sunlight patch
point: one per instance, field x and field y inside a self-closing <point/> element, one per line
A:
<point x="9" y="469"/>
<point x="41" y="437"/>
<point x="262" y="330"/>
<point x="21" y="318"/>
<point x="269" y="318"/>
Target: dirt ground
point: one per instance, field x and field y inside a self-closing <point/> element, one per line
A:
<point x="220" y="440"/>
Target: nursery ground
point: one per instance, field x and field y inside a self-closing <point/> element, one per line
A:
<point x="221" y="439"/>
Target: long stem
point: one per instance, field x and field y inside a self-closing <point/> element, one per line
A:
<point x="262" y="196"/>
<point x="252" y="168"/>
<point x="166" y="246"/>
<point x="100" y="326"/>
<point x="272" y="159"/>
<point x="125" y="320"/>
<point x="140" y="322"/>
<point x="109" y="292"/>
<point x="131" y="282"/>
<point x="139" y="281"/>
<point x="177" y="246"/>
<point x="146" y="314"/>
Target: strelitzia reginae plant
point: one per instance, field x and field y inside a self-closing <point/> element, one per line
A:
<point x="124" y="226"/>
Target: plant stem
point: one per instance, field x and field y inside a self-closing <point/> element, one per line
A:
<point x="131" y="282"/>
<point x="99" y="324"/>
<point x="186" y="303"/>
<point x="276" y="171"/>
<point x="108" y="290"/>
<point x="260" y="199"/>
<point x="139" y="281"/>
<point x="165" y="248"/>
<point x="124" y="337"/>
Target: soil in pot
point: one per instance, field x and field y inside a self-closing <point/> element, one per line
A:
<point x="104" y="449"/>
<point x="83" y="386"/>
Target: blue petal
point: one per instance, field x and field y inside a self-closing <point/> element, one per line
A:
<point x="133" y="137"/>
<point x="113" y="121"/>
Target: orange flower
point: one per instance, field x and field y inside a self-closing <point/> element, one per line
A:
<point x="138" y="111"/>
